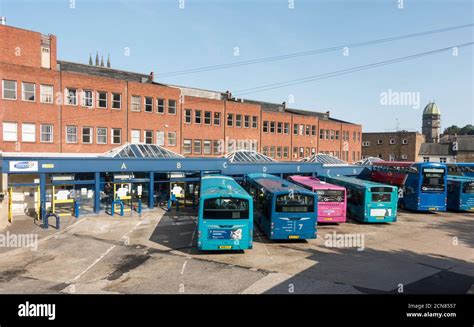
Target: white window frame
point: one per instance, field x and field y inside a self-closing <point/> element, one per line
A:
<point x="171" y="138"/>
<point x="67" y="134"/>
<point x="23" y="133"/>
<point x="97" y="135"/>
<point x="106" y="99"/>
<point x="160" y="138"/>
<point x="44" y="95"/>
<point x="13" y="133"/>
<point x="119" y="101"/>
<point x="392" y="141"/>
<point x="23" y="95"/>
<point x="112" y="135"/>
<point x="133" y="135"/>
<point x="187" y="142"/>
<point x="209" y="143"/>
<point x="379" y="142"/>
<point x="135" y="102"/>
<point x="186" y="116"/>
<point x="145" y="104"/>
<point x="405" y="141"/>
<point x="83" y="98"/>
<point x="91" y="134"/>
<point x="145" y="136"/>
<point x="3" y="89"/>
<point x="175" y="107"/>
<point x="42" y="133"/>
<point x="158" y="106"/>
<point x="67" y="96"/>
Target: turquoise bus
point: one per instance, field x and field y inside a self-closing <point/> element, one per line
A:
<point x="225" y="218"/>
<point x="460" y="193"/>
<point x="283" y="210"/>
<point x="367" y="201"/>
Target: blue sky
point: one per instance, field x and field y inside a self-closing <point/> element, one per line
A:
<point x="162" y="38"/>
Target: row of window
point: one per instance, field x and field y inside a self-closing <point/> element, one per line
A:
<point x="89" y="98"/>
<point x="380" y="142"/>
<point x="151" y="137"/>
<point x="46" y="135"/>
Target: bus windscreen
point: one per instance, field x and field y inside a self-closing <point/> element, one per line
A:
<point x="294" y="203"/>
<point x="433" y="180"/>
<point x="330" y="196"/>
<point x="468" y="188"/>
<point x="226" y="208"/>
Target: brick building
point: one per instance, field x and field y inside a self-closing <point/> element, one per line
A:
<point x="53" y="106"/>
<point x="392" y="146"/>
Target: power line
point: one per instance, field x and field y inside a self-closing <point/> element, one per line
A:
<point x="307" y="79"/>
<point x="311" y="52"/>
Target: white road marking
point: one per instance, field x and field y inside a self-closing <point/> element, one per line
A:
<point x="184" y="266"/>
<point x="93" y="264"/>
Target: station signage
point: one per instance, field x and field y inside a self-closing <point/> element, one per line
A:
<point x="22" y="166"/>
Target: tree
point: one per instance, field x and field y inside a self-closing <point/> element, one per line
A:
<point x="452" y="130"/>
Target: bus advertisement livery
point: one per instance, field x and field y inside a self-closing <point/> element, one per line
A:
<point x="225" y="218"/>
<point x="283" y="210"/>
<point x="331" y="198"/>
<point x="422" y="185"/>
<point x="460" y="193"/>
<point x="368" y="201"/>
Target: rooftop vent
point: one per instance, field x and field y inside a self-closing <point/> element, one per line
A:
<point x="3" y="20"/>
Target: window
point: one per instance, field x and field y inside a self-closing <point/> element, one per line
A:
<point x="272" y="152"/>
<point x="366" y="143"/>
<point x="71" y="97"/>
<point x="87" y="98"/>
<point x="279" y="127"/>
<point x="230" y="120"/>
<point x="217" y="118"/>
<point x="272" y="127"/>
<point x="238" y="120"/>
<point x="171" y="138"/>
<point x="207" y="117"/>
<point x="71" y="134"/>
<point x="116" y="136"/>
<point x="226" y="208"/>
<point x="148" y="137"/>
<point x="301" y="154"/>
<point x="285" y="152"/>
<point x="197" y="116"/>
<point x="102" y="99"/>
<point x="172" y="107"/>
<point x="135" y="136"/>
<point x="337" y="135"/>
<point x="46" y="133"/>
<point x="404" y="141"/>
<point x="135" y="103"/>
<point x="379" y="141"/>
<point x="28" y="132"/>
<point x="392" y="141"/>
<point x="301" y="129"/>
<point x="354" y="136"/>
<point x="116" y="101"/>
<point x="265" y="126"/>
<point x="207" y="147"/>
<point x="278" y="152"/>
<point x="101" y="135"/>
<point x="426" y="159"/>
<point x="313" y="130"/>
<point x="217" y="147"/>
<point x="187" y="146"/>
<point x="391" y="157"/>
<point x="160" y="138"/>
<point x="333" y="133"/>
<point x="265" y="150"/>
<point x="28" y="92"/>
<point x="321" y="134"/>
<point x="231" y="146"/>
<point x="160" y="106"/>
<point x="295" y="129"/>
<point x="197" y="147"/>
<point x="404" y="157"/>
<point x="10" y="132"/>
<point x="187" y="116"/>
<point x="9" y="90"/>
<point x="308" y="130"/>
<point x="148" y="104"/>
<point x="254" y="122"/>
<point x="247" y="121"/>
<point x="87" y="133"/>
<point x="442" y="159"/>
<point x="46" y="93"/>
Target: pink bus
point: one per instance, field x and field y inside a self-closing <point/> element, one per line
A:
<point x="332" y="201"/>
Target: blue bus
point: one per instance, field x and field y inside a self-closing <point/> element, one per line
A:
<point x="465" y="169"/>
<point x="225" y="218"/>
<point x="460" y="193"/>
<point x="368" y="201"/>
<point x="421" y="185"/>
<point x="283" y="210"/>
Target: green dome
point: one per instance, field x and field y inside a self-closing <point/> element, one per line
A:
<point x="431" y="109"/>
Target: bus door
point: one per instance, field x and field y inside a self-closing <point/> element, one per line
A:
<point x="123" y="192"/>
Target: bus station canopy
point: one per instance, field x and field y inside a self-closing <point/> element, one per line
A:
<point x="247" y="156"/>
<point x="140" y="150"/>
<point x="324" y="159"/>
<point x="368" y="161"/>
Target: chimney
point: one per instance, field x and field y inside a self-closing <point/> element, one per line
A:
<point x="3" y="20"/>
<point x="108" y="60"/>
<point x="97" y="58"/>
<point x="102" y="61"/>
<point x="328" y="113"/>
<point x="284" y="105"/>
<point x="152" y="76"/>
<point x="228" y="94"/>
<point x="90" y="59"/>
